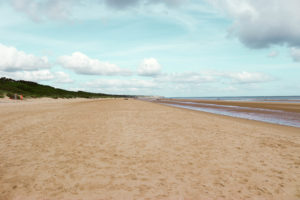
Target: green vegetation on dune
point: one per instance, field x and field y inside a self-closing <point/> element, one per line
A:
<point x="1" y="94"/>
<point x="30" y="89"/>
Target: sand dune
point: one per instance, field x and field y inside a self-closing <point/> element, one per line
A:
<point x="130" y="149"/>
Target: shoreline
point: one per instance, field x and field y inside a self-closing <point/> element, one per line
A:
<point x="241" y="120"/>
<point x="271" y="112"/>
<point x="291" y="106"/>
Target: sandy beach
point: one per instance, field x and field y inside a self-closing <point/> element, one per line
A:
<point x="132" y="149"/>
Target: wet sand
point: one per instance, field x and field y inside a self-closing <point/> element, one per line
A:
<point x="283" y="106"/>
<point x="130" y="149"/>
<point x="272" y="112"/>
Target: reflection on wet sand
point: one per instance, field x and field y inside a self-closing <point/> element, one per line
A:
<point x="272" y="112"/>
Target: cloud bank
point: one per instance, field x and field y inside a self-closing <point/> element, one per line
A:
<point x="181" y="83"/>
<point x="12" y="59"/>
<point x="39" y="10"/>
<point x="45" y="9"/>
<point x="38" y="75"/>
<point x="247" y="77"/>
<point x="192" y="78"/>
<point x="260" y="24"/>
<point x="82" y="64"/>
<point x="149" y="67"/>
<point x="121" y="4"/>
<point x="117" y="86"/>
<point x="273" y="54"/>
<point x="295" y="53"/>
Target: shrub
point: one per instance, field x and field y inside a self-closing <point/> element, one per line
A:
<point x="10" y="95"/>
<point x="35" y="90"/>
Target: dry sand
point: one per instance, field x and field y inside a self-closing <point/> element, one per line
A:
<point x="130" y="149"/>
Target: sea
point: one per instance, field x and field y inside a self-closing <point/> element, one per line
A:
<point x="259" y="114"/>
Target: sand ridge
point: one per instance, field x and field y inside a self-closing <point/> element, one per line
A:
<point x="130" y="149"/>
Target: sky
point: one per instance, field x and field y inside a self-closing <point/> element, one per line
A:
<point x="172" y="48"/>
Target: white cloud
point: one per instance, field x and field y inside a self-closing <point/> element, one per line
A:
<point x="39" y="10"/>
<point x="69" y="10"/>
<point x="295" y="53"/>
<point x="181" y="83"/>
<point x="164" y="82"/>
<point x="247" y="77"/>
<point x="273" y="54"/>
<point x="149" y="67"/>
<point x="131" y="83"/>
<point x="259" y="24"/>
<point x="186" y="78"/>
<point x="45" y="9"/>
<point x="62" y="77"/>
<point x="41" y="75"/>
<point x="38" y="75"/>
<point x="121" y="4"/>
<point x="12" y="59"/>
<point x="82" y="64"/>
<point x="117" y="86"/>
<point x="192" y="79"/>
